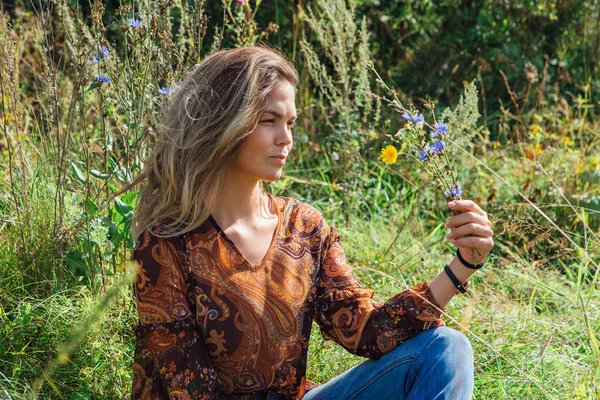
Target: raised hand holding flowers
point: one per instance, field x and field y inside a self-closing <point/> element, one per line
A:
<point x="471" y="228"/>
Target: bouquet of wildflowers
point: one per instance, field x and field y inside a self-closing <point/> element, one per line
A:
<point x="424" y="141"/>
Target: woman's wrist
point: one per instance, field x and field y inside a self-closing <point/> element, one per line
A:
<point x="462" y="272"/>
<point x="469" y="259"/>
<point x="442" y="287"/>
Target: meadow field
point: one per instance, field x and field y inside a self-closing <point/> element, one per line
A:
<point x="82" y="86"/>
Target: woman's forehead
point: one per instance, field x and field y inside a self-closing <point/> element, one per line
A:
<point x="281" y="102"/>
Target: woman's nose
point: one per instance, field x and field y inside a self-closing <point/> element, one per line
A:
<point x="284" y="135"/>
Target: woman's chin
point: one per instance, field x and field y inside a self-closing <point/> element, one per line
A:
<point x="272" y="176"/>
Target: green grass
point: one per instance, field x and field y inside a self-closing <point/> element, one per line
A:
<point x="80" y="341"/>
<point x="527" y="329"/>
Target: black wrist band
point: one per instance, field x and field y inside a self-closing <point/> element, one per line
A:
<point x="461" y="288"/>
<point x="466" y="264"/>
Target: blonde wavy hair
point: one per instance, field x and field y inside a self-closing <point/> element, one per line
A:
<point x="218" y="104"/>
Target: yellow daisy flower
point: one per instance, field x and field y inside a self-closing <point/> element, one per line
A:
<point x="389" y="154"/>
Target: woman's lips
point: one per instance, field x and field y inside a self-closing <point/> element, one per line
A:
<point x="279" y="159"/>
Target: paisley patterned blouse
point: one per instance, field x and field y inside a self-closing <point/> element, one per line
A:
<point x="213" y="326"/>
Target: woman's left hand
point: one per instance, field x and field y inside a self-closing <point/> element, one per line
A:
<point x="471" y="230"/>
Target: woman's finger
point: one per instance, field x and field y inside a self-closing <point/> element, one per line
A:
<point x="466" y="205"/>
<point x="485" y="245"/>
<point x="466" y="218"/>
<point x="471" y="229"/>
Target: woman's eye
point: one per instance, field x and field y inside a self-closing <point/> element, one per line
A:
<point x="268" y="120"/>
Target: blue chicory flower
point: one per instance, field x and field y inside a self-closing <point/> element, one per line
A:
<point x="166" y="90"/>
<point x="441" y="127"/>
<point x="102" y="78"/>
<point x="134" y="23"/>
<point x="103" y="51"/>
<point x="422" y="156"/>
<point x="418" y="118"/>
<point x="436" y="147"/>
<point x="454" y="192"/>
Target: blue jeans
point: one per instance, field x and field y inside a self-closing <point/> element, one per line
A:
<point x="434" y="364"/>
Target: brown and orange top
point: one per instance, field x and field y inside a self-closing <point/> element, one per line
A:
<point x="212" y="325"/>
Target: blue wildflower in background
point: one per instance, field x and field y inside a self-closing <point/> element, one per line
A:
<point x="454" y="192"/>
<point x="166" y="90"/>
<point x="422" y="156"/>
<point x="102" y="78"/>
<point x="440" y="129"/>
<point x="416" y="118"/>
<point x="134" y="23"/>
<point x="103" y="53"/>
<point x="436" y="147"/>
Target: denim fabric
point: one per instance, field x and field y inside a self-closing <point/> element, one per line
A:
<point x="435" y="364"/>
<point x="267" y="396"/>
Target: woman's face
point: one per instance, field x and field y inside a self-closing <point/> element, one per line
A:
<point x="271" y="138"/>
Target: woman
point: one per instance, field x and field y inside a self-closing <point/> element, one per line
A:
<point x="231" y="277"/>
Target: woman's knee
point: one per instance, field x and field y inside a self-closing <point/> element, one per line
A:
<point x="452" y="347"/>
<point x="441" y="346"/>
<point x="453" y="341"/>
<point x="453" y="338"/>
<point x="445" y="366"/>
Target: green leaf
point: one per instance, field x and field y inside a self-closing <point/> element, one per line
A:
<point x="93" y="86"/>
<point x="26" y="313"/>
<point x="78" y="174"/>
<point x="122" y="208"/>
<point x="76" y="264"/>
<point x="92" y="208"/>
<point x="113" y="163"/>
<point x="109" y="141"/>
<point x="130" y="198"/>
<point x="83" y="394"/>
<point x="99" y="174"/>
<point x="116" y="169"/>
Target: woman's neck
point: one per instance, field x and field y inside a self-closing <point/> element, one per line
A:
<point x="241" y="204"/>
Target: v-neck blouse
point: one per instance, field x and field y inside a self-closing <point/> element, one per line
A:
<point x="273" y="208"/>
<point x="213" y="327"/>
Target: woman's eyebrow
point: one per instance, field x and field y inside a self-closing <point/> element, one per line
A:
<point x="278" y="115"/>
